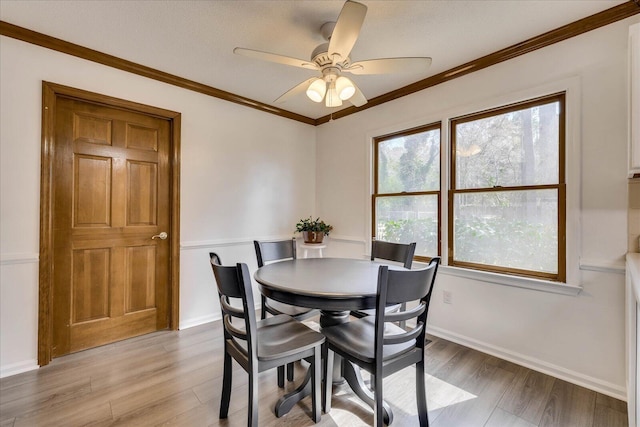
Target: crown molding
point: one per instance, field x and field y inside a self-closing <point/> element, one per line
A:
<point x="43" y="40"/>
<point x="606" y="17"/>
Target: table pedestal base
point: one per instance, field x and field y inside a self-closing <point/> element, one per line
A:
<point x="352" y="376"/>
<point x="343" y="371"/>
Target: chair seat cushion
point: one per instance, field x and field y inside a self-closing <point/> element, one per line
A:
<point x="282" y="336"/>
<point x="281" y="308"/>
<point x="372" y="312"/>
<point x="357" y="339"/>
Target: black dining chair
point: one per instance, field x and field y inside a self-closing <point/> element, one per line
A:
<point x="377" y="344"/>
<point x="273" y="251"/>
<point x="396" y="252"/>
<point x="261" y="345"/>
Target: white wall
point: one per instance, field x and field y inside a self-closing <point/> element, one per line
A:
<point x="245" y="174"/>
<point x="229" y="150"/>
<point x="578" y="338"/>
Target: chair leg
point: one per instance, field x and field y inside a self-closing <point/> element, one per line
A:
<point x="403" y="323"/>
<point x="378" y="409"/>
<point x="226" y="386"/>
<point x="263" y="315"/>
<point x="281" y="376"/>
<point x="327" y="355"/>
<point x="263" y="307"/>
<point x="252" y="403"/>
<point x="316" y="380"/>
<point x="290" y="369"/>
<point x="421" y="395"/>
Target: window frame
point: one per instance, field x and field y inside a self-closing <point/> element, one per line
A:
<point x="438" y="193"/>
<point x="561" y="274"/>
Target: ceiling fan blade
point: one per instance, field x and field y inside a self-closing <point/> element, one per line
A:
<point x="389" y="65"/>
<point x="346" y="31"/>
<point x="296" y="90"/>
<point x="357" y="98"/>
<point x="272" y="57"/>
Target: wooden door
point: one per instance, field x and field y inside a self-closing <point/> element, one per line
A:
<point x="111" y="195"/>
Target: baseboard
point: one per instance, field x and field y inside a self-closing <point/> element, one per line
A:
<point x="18" y="368"/>
<point x="190" y="323"/>
<point x="568" y="375"/>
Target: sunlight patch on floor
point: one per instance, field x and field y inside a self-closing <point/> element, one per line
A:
<point x="399" y="393"/>
<point x="441" y="394"/>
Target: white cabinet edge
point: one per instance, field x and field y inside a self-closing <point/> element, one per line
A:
<point x="634" y="99"/>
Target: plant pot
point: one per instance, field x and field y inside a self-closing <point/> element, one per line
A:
<point x="313" y="236"/>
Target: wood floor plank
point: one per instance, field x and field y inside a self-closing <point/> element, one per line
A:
<point x="158" y="411"/>
<point x="610" y="402"/>
<point x="138" y="366"/>
<point x="569" y="406"/>
<point x="40" y="400"/>
<point x="125" y="388"/>
<point x="609" y="412"/>
<point x="488" y="384"/>
<point x="502" y="418"/>
<point x="607" y="417"/>
<point x="443" y="350"/>
<point x="201" y="415"/>
<point x="71" y="416"/>
<point x="528" y="395"/>
<point x="174" y="378"/>
<point x="153" y="392"/>
<point x="458" y="368"/>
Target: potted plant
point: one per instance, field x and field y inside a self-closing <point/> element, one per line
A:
<point x="313" y="230"/>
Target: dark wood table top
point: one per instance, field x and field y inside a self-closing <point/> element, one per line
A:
<point x="338" y="284"/>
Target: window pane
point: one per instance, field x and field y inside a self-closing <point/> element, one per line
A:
<point x="409" y="163"/>
<point x="510" y="149"/>
<point x="406" y="219"/>
<point x="513" y="229"/>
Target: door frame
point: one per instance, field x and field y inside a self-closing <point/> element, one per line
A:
<point x="50" y="93"/>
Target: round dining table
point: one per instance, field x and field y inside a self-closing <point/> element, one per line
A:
<point x="336" y="286"/>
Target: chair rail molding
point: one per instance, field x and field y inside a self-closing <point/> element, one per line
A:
<point x="603" y="265"/>
<point x="233" y="241"/>
<point x="19" y="258"/>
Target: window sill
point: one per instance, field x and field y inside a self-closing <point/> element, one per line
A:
<point x="516" y="281"/>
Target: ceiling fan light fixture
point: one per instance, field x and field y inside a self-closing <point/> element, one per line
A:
<point x="317" y="90"/>
<point x="345" y="88"/>
<point x="332" y="99"/>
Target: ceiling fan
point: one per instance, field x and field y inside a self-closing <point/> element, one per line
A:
<point x="332" y="60"/>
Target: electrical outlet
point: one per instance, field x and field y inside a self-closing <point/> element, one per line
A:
<point x="447" y="297"/>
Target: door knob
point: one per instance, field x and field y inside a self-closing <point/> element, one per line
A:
<point x="161" y="236"/>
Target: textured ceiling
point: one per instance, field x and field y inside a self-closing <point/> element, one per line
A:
<point x="195" y="39"/>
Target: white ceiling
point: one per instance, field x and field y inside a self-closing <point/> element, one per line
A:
<point x="195" y="39"/>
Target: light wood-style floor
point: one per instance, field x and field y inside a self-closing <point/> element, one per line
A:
<point x="174" y="379"/>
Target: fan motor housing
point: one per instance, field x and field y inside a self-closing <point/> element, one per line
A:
<point x="320" y="57"/>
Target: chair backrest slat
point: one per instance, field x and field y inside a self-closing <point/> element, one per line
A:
<point x="274" y="251"/>
<point x="401" y="315"/>
<point x="398" y="252"/>
<point x="411" y="334"/>
<point x="230" y="310"/>
<point x="232" y="330"/>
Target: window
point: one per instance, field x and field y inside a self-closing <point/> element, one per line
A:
<point x="507" y="204"/>
<point x="406" y="195"/>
